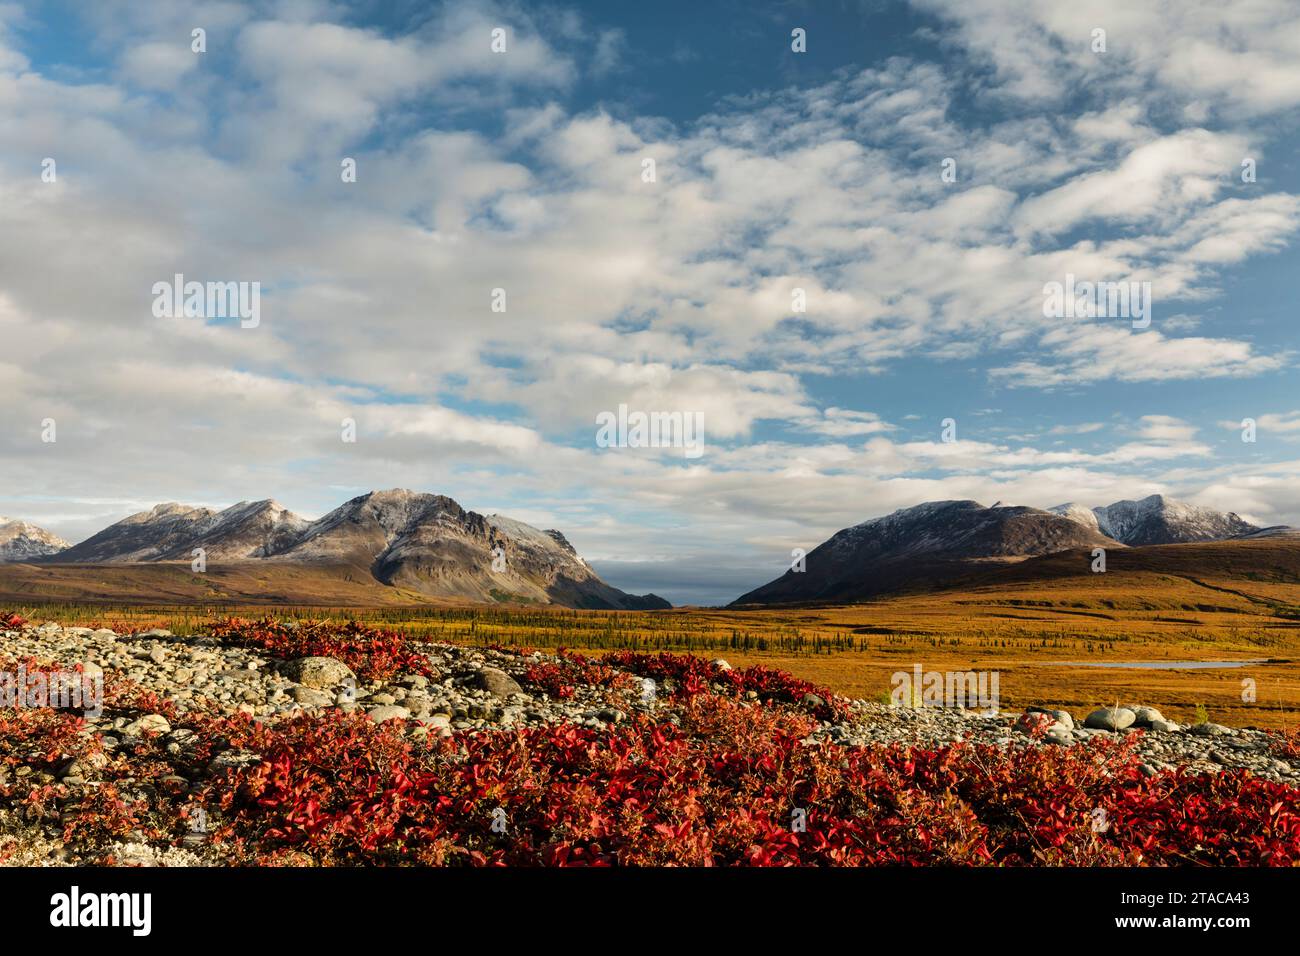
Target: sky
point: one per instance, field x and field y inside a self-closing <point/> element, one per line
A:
<point x="918" y="174"/>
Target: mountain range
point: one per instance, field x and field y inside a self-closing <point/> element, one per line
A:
<point x="421" y="543"/>
<point x="938" y="542"/>
<point x="399" y="545"/>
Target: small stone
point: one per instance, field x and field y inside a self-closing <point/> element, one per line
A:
<point x="812" y="701"/>
<point x="318" y="673"/>
<point x="1164" y="726"/>
<point x="233" y="760"/>
<point x="152" y="723"/>
<point x="720" y="664"/>
<point x="157" y="654"/>
<point x="380" y="714"/>
<point x="310" y="697"/>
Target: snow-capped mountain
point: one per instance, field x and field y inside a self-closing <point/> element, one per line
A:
<point x="421" y="542"/>
<point x="171" y="532"/>
<point x="927" y="543"/>
<point x="1158" y="520"/>
<point x="21" y="541"/>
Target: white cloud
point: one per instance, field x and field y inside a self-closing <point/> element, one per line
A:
<point x="1089" y="353"/>
<point x="1236" y="57"/>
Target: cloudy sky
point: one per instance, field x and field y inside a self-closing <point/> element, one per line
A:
<point x="775" y="170"/>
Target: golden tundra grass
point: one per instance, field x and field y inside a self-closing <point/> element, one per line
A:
<point x="1027" y="631"/>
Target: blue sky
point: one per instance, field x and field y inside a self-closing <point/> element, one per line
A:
<point x="776" y="171"/>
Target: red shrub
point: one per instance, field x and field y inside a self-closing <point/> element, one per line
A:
<point x="694" y="675"/>
<point x="1284" y="745"/>
<point x="559" y="679"/>
<point x="727" y="782"/>
<point x="372" y="654"/>
<point x="725" y="788"/>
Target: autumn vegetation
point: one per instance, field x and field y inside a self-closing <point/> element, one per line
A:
<point x="717" y="775"/>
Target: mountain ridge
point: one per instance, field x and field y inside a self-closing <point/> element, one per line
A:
<point x="937" y="542"/>
<point x="926" y="543"/>
<point x="1156" y="519"/>
<point x="416" y="541"/>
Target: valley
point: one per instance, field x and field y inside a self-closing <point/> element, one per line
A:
<point x="1031" y="621"/>
<point x="954" y="586"/>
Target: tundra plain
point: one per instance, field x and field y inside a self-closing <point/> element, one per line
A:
<point x="1044" y="625"/>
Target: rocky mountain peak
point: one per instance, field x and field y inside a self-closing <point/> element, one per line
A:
<point x="22" y="541"/>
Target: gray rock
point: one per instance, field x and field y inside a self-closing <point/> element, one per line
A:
<point x="1110" y="718"/>
<point x="497" y="682"/>
<point x="310" y="697"/>
<point x="1033" y="720"/>
<point x="1164" y="726"/>
<point x="233" y="760"/>
<point x="387" y="712"/>
<point x="1062" y="717"/>
<point x="153" y="723"/>
<point x="1144" y="717"/>
<point x="1208" y="729"/>
<point x="318" y="673"/>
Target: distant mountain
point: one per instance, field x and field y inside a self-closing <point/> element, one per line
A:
<point x="20" y="541"/>
<point x="923" y="546"/>
<point x="429" y="543"/>
<point x="171" y="532"/>
<point x="1158" y="520"/>
<point x="419" y="542"/>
